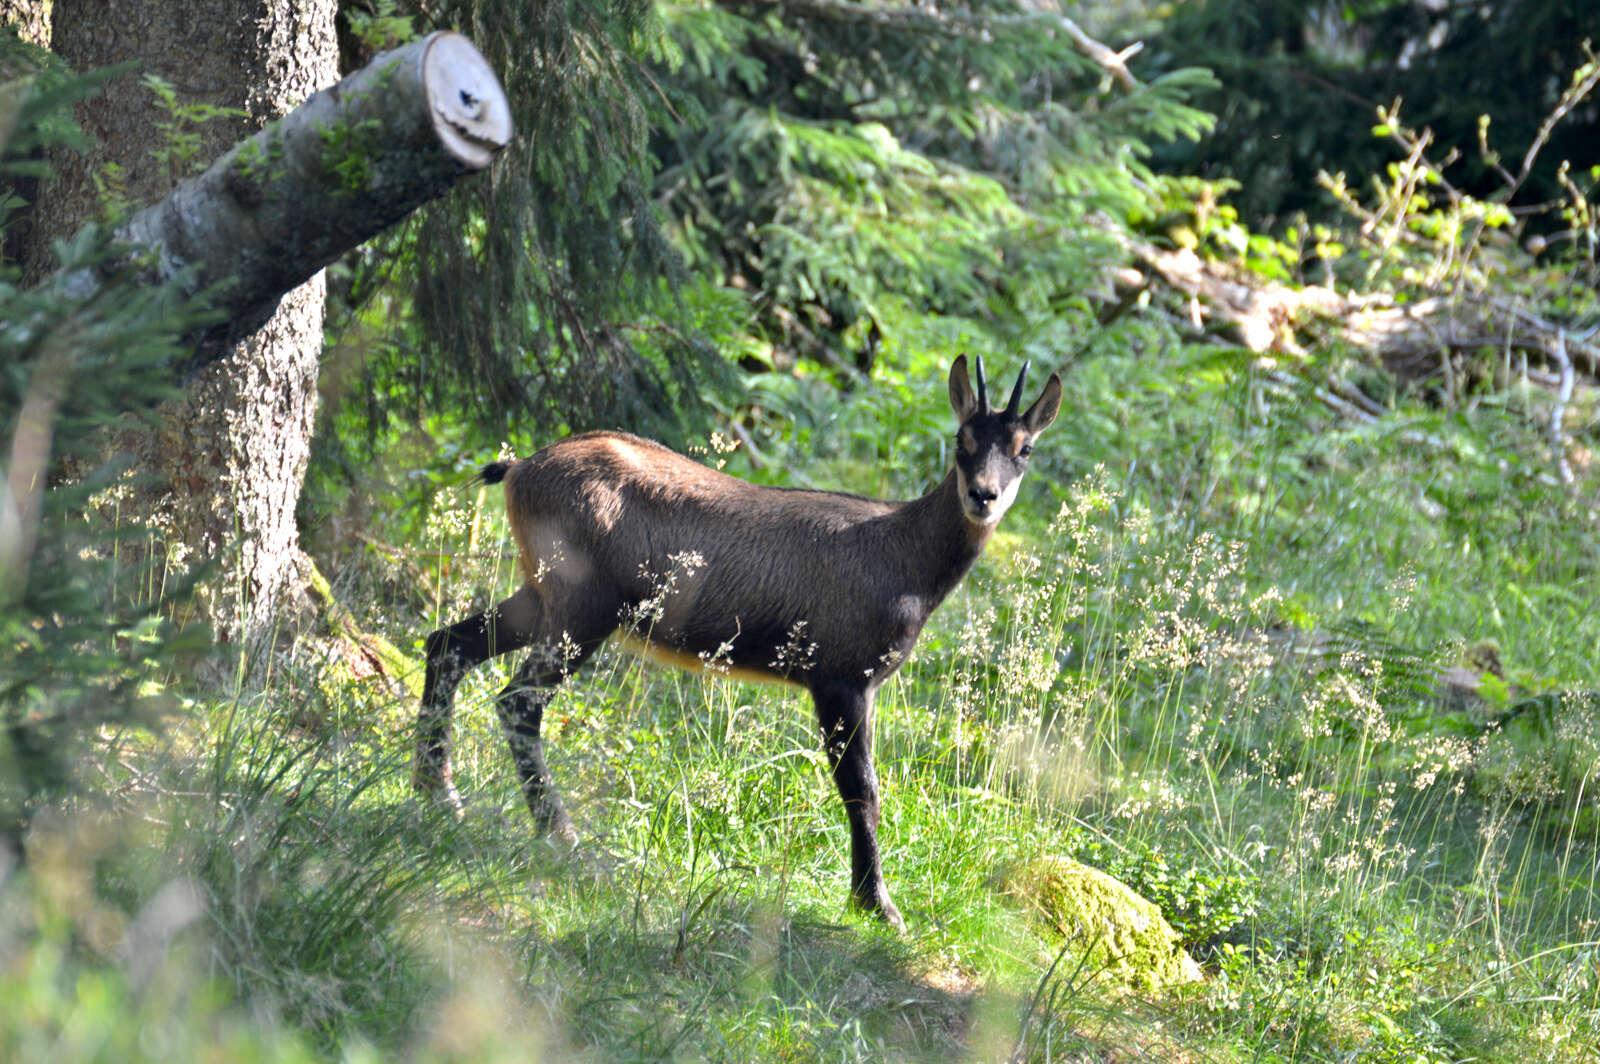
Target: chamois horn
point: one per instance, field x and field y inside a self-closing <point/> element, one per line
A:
<point x="983" y="387"/>
<point x="1016" y="393"/>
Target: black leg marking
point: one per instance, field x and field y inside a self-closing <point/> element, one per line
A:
<point x="520" y="706"/>
<point x="453" y="651"/>
<point x="845" y="715"/>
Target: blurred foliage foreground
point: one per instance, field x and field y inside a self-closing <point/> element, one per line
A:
<point x="1293" y="631"/>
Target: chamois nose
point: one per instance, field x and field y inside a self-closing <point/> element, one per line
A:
<point x="982" y="496"/>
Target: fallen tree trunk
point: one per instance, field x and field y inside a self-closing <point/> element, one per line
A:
<point x="340" y="168"/>
<point x="1413" y="341"/>
<point x="1409" y="339"/>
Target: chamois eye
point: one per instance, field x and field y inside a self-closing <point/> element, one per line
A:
<point x="1027" y="449"/>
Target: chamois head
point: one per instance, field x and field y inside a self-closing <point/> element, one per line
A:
<point x="992" y="446"/>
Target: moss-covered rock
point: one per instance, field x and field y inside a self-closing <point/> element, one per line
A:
<point x="1128" y="942"/>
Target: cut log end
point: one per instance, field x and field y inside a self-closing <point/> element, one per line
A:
<point x="469" y="108"/>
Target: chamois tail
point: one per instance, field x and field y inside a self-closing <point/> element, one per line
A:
<point x="493" y="473"/>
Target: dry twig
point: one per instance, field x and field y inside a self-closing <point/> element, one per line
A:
<point x="960" y="24"/>
<point x="1558" y="436"/>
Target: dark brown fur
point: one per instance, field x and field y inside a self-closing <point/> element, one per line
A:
<point x="754" y="570"/>
<point x="821" y="589"/>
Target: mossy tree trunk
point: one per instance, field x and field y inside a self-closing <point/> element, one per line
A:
<point x="221" y="475"/>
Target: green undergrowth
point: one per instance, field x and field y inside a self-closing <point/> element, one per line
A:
<point x="1208" y="667"/>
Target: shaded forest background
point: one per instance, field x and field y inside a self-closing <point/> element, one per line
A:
<point x="1309" y="569"/>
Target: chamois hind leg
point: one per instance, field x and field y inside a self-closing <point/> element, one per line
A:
<point x="845" y="714"/>
<point x="522" y="702"/>
<point x="452" y="651"/>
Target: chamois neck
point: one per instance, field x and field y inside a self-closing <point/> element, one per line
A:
<point x="940" y="536"/>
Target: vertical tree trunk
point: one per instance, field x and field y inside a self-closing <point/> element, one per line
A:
<point x="30" y="17"/>
<point x="223" y="472"/>
<point x="31" y="21"/>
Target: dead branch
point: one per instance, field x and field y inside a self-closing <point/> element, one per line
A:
<point x="1412" y="341"/>
<point x="340" y="168"/>
<point x="1409" y="339"/>
<point x="757" y="459"/>
<point x="959" y="24"/>
<point x="1558" y="436"/>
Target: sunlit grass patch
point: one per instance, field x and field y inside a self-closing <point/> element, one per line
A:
<point x="1215" y="676"/>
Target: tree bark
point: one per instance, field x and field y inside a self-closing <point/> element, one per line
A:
<point x="222" y="473"/>
<point x="18" y="65"/>
<point x="340" y="168"/>
<point x="221" y="477"/>
<point x="30" y="17"/>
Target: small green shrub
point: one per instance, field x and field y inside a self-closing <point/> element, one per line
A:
<point x="1203" y="903"/>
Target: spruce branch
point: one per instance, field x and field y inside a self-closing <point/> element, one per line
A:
<point x="960" y="24"/>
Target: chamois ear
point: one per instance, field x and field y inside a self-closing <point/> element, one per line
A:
<point x="1046" y="407"/>
<point x="963" y="400"/>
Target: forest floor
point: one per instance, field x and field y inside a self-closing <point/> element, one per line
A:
<point x="1205" y="653"/>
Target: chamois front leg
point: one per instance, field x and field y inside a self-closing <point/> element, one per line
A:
<point x="451" y="653"/>
<point x="845" y="714"/>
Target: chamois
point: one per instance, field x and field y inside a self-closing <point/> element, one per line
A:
<point x="823" y="590"/>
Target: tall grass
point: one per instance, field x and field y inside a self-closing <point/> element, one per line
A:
<point x="1210" y="667"/>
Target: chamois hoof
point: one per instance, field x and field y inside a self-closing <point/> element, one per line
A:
<point x="441" y="791"/>
<point x="557" y="830"/>
<point x="563" y="842"/>
<point x="881" y="907"/>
